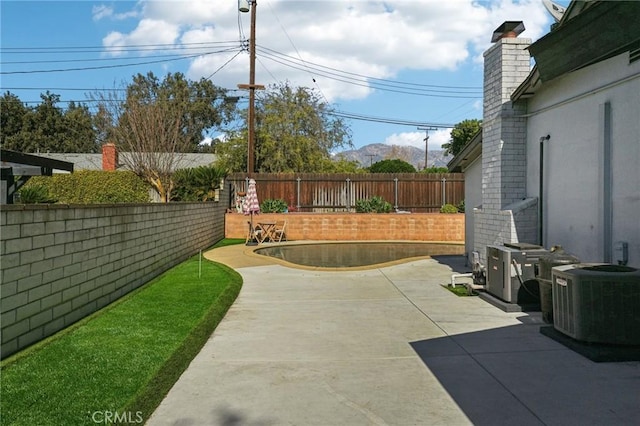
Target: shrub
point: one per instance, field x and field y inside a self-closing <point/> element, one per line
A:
<point x="374" y="205"/>
<point x="448" y="208"/>
<point x="273" y="206"/>
<point x="435" y="169"/>
<point x="392" y="166"/>
<point x="197" y="184"/>
<point x="34" y="194"/>
<point x="460" y="206"/>
<point x="92" y="187"/>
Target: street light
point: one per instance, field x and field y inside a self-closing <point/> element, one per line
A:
<point x="243" y="6"/>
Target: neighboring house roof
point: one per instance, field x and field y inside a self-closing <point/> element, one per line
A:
<point x="80" y="161"/>
<point x="94" y="161"/>
<point x="589" y="32"/>
<point x="471" y="151"/>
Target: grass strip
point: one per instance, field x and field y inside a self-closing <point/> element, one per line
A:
<point x="119" y="363"/>
<point x="460" y="290"/>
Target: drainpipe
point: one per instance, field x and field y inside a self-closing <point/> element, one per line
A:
<point x="541" y="191"/>
<point x="607" y="185"/>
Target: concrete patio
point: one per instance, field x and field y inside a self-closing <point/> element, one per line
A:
<point x="386" y="346"/>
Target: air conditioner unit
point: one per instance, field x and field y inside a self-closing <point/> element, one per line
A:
<point x="507" y="265"/>
<point x="597" y="303"/>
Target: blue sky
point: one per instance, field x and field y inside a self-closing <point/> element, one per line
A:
<point x="361" y="56"/>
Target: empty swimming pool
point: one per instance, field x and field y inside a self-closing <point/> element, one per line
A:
<point x="354" y="254"/>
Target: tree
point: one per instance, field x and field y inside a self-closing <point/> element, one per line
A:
<point x="12" y="112"/>
<point x="46" y="127"/>
<point x="159" y="120"/>
<point x="392" y="166"/>
<point x="295" y="132"/>
<point x="462" y="133"/>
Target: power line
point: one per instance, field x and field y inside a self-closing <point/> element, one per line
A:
<point x="224" y="65"/>
<point x="354" y="116"/>
<point x="407" y="91"/>
<point x="110" y="66"/>
<point x="297" y="52"/>
<point x="122" y="48"/>
<point x="369" y="78"/>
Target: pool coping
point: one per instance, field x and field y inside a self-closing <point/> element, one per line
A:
<point x="242" y="255"/>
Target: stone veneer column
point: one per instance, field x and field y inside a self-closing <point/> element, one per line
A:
<point x="506" y="66"/>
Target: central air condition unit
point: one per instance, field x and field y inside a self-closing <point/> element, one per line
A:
<point x="510" y="265"/>
<point x="597" y="303"/>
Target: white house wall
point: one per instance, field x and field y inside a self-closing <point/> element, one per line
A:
<point x="570" y="110"/>
<point x="472" y="200"/>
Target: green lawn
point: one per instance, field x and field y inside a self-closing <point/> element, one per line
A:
<point x="120" y="362"/>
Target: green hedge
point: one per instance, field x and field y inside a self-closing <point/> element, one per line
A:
<point x="86" y="187"/>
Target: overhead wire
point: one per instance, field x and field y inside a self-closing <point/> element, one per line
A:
<point x="110" y="66"/>
<point x="413" y="123"/>
<point x="411" y="88"/>
<point x="102" y="49"/>
<point x="297" y="52"/>
<point x="369" y="78"/>
<point x="384" y="87"/>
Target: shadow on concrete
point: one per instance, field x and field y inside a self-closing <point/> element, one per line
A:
<point x="225" y="416"/>
<point x="515" y="375"/>
<point x="457" y="262"/>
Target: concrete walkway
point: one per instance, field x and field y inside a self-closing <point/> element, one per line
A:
<point x="386" y="346"/>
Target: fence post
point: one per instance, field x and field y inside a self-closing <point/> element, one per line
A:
<point x="348" y="194"/>
<point x="444" y="191"/>
<point x="395" y="190"/>
<point x="298" y="193"/>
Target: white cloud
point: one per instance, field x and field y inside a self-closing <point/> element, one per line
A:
<point x="147" y="32"/>
<point x="416" y="139"/>
<point x="366" y="38"/>
<point x="103" y="12"/>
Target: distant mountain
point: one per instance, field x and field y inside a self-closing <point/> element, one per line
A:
<point x="373" y="153"/>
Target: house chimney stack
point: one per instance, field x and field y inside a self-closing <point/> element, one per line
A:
<point x="109" y="157"/>
<point x="504" y="134"/>
<point x="508" y="29"/>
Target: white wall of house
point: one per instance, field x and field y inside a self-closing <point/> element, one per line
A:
<point x="472" y="200"/>
<point x="571" y="109"/>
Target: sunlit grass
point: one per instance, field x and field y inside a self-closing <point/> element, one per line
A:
<point x="123" y="359"/>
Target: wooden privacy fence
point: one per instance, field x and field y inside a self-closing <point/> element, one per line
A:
<point x="332" y="192"/>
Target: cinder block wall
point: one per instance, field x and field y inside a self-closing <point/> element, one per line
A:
<point x="357" y="226"/>
<point x="62" y="263"/>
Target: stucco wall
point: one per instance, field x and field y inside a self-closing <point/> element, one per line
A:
<point x="472" y="200"/>
<point x="62" y="263"/>
<point x="570" y="110"/>
<point x="358" y="226"/>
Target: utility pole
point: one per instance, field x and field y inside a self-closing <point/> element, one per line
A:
<point x="371" y="158"/>
<point x="426" y="143"/>
<point x="243" y="6"/>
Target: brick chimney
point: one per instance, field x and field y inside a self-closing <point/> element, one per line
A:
<point x="109" y="157"/>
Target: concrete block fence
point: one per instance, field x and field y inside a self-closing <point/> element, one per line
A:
<point x="61" y="263"/>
